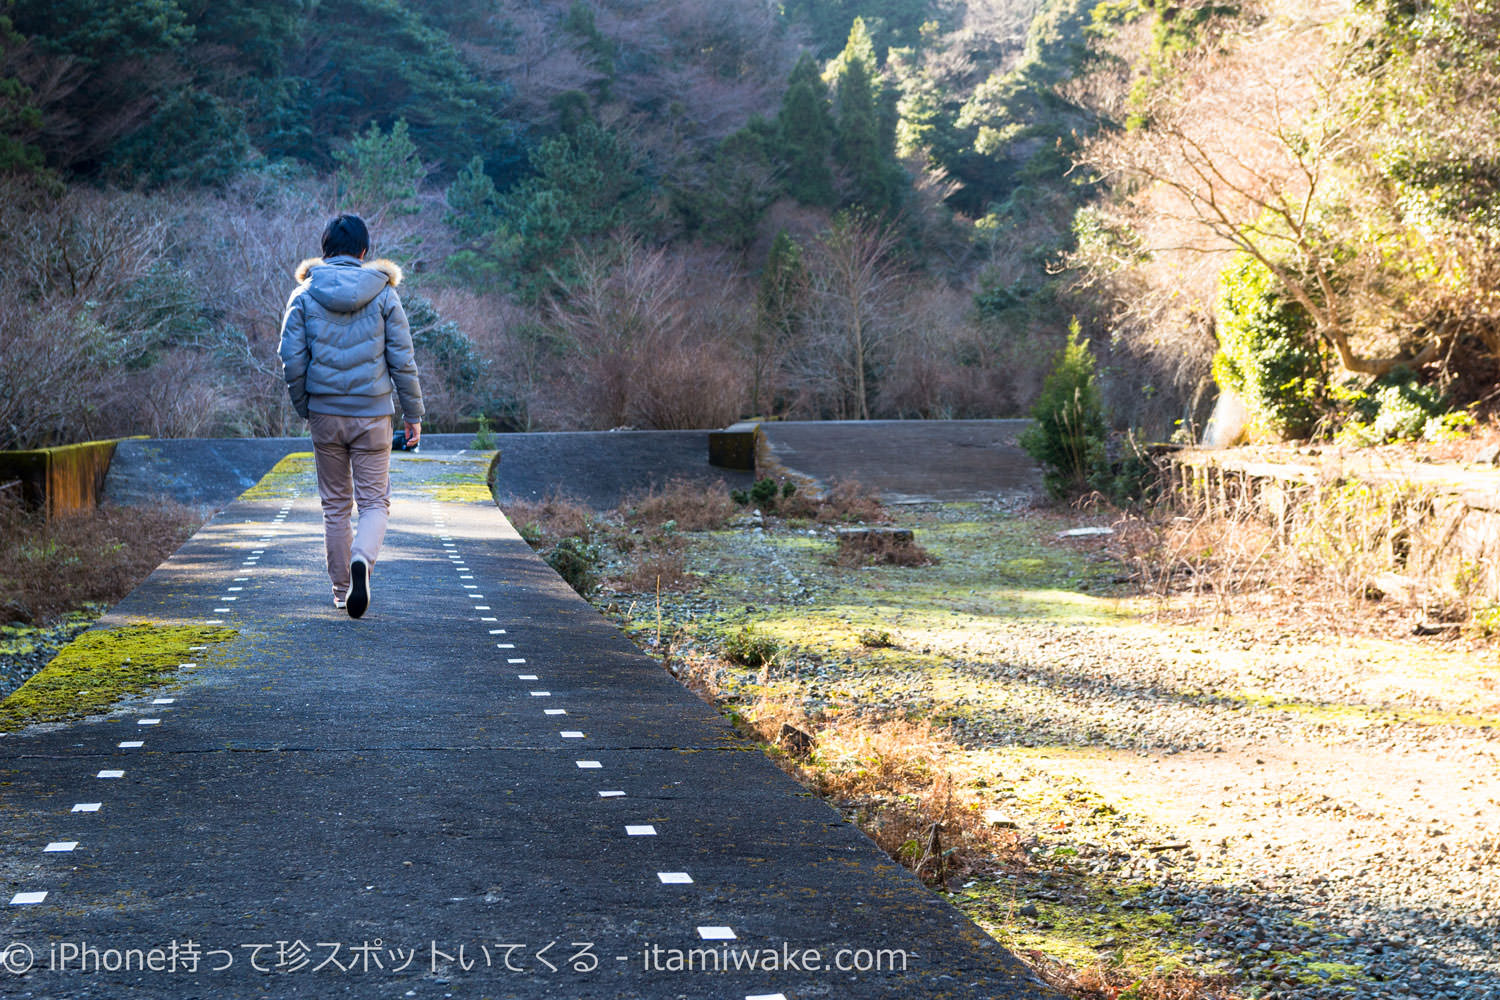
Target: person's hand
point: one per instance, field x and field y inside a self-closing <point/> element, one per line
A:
<point x="413" y="433"/>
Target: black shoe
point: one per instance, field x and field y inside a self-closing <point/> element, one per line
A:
<point x="359" y="589"/>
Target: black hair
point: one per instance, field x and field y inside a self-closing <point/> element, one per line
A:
<point x="345" y="236"/>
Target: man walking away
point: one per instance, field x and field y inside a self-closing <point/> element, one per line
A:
<point x="345" y="351"/>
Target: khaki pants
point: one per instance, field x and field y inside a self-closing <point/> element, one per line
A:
<point x="354" y="467"/>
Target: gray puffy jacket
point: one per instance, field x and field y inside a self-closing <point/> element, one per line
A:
<point x="345" y="342"/>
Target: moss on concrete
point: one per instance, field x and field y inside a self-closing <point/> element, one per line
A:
<point x="295" y="472"/>
<point x="99" y="668"/>
<point x="450" y="480"/>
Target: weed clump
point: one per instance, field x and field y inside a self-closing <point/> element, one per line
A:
<point x="663" y="570"/>
<point x="686" y="505"/>
<point x="544" y="522"/>
<point x="765" y="494"/>
<point x="750" y="648"/>
<point x="577" y="562"/>
<point x="880" y="548"/>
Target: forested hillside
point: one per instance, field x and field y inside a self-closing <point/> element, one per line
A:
<point x="678" y="213"/>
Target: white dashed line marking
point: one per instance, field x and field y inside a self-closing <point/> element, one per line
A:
<point x="497" y="631"/>
<point x="545" y="694"/>
<point x="233" y="589"/>
<point x="505" y="645"/>
<point x="27" y="898"/>
<point x="675" y="878"/>
<point x="571" y="734"/>
<point x="556" y="711"/>
<point x="111" y="774"/>
<point x="589" y="764"/>
<point x="60" y="847"/>
<point x="526" y="677"/>
<point x="221" y="611"/>
<point x="766" y="996"/>
<point x="487" y="619"/>
<point x="148" y="722"/>
<point x="167" y="701"/>
<point x="716" y="933"/>
<point x="611" y="795"/>
<point x="132" y="744"/>
<point x="87" y="807"/>
<point x="481" y="607"/>
<point x="513" y="660"/>
<point x="640" y="830"/>
<point x="214" y="621"/>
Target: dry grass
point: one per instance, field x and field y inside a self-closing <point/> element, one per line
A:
<point x="1353" y="560"/>
<point x="898" y="778"/>
<point x="546" y="521"/>
<point x="51" y="567"/>
<point x="851" y="502"/>
<point x="880" y="549"/>
<point x="1101" y="983"/>
<point x="662" y="570"/>
<point x="692" y="506"/>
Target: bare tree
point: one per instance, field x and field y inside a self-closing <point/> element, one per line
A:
<point x="65" y="266"/>
<point x="851" y="317"/>
<point x="642" y="343"/>
<point x="1261" y="147"/>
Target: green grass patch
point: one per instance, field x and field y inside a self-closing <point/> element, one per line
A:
<point x="99" y="668"/>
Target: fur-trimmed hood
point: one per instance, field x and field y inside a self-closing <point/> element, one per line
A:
<point x="344" y="284"/>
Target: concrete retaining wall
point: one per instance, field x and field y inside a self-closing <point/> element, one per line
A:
<point x="65" y="478"/>
<point x="1437" y="526"/>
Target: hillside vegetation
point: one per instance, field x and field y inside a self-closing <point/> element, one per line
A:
<point x="676" y="214"/>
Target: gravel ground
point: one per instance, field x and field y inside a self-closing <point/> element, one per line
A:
<point x="1310" y="816"/>
<point x="25" y="649"/>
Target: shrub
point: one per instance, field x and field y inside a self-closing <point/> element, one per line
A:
<point x="1397" y="407"/>
<point x="850" y="502"/>
<point x="1267" y="352"/>
<point x="1068" y="439"/>
<point x="484" y="436"/>
<point x="577" y="562"/>
<point x="750" y="648"/>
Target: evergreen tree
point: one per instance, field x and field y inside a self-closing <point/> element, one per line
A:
<point x="861" y="143"/>
<point x="780" y="303"/>
<point x="805" y="129"/>
<point x="473" y="202"/>
<point x="1068" y="436"/>
<point x="379" y="172"/>
<point x="194" y="138"/>
<point x="20" y="119"/>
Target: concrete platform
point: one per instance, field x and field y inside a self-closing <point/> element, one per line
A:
<point x="393" y="807"/>
<point x="910" y="461"/>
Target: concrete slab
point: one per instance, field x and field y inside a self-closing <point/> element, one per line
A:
<point x="911" y="460"/>
<point x="383" y="808"/>
<point x="599" y="468"/>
